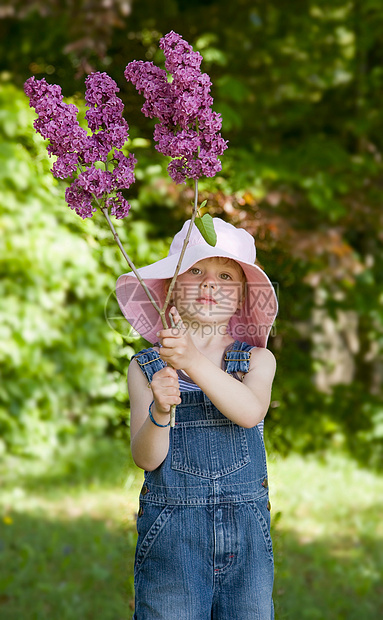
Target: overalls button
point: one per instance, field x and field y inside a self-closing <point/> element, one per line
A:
<point x="265" y="483"/>
<point x="144" y="490"/>
<point x="268" y="506"/>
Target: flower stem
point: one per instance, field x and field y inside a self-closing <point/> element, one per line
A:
<point x="102" y="206"/>
<point x="172" y="283"/>
<point x="161" y="311"/>
<point x="186" y="241"/>
<point x="128" y="260"/>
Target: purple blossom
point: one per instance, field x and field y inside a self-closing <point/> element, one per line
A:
<point x="104" y="115"/>
<point x="65" y="166"/>
<point x="79" y="200"/>
<point x="151" y="81"/>
<point x="78" y="152"/>
<point x="178" y="170"/>
<point x="95" y="181"/>
<point x="95" y="149"/>
<point x="178" y="52"/>
<point x="188" y="130"/>
<point x="119" y="206"/>
<point x="56" y="122"/>
<point x="100" y="87"/>
<point x="184" y="143"/>
<point x="123" y="173"/>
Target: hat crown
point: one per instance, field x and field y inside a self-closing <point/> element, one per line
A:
<point x="236" y="241"/>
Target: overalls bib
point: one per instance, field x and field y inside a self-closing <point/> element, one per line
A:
<point x="204" y="550"/>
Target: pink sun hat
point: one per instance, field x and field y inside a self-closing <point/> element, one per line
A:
<point x="253" y="320"/>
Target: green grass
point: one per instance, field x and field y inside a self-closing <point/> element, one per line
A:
<point x="67" y="536"/>
<point x="328" y="539"/>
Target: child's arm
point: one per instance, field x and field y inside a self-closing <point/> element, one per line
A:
<point x="150" y="443"/>
<point x="245" y="403"/>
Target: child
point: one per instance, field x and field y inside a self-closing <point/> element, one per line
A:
<point x="204" y="549"/>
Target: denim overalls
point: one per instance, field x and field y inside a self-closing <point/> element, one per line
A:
<point x="204" y="550"/>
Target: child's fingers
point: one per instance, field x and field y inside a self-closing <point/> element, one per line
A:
<point x="165" y="388"/>
<point x="172" y="332"/>
<point x="167" y="372"/>
<point x="164" y="404"/>
<point x="176" y="317"/>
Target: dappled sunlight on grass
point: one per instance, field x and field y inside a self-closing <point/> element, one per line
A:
<point x="67" y="536"/>
<point x="67" y="539"/>
<point x="324" y="496"/>
<point x="328" y="539"/>
<point x="84" y="463"/>
<point x="65" y="568"/>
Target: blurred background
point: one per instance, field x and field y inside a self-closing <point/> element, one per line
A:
<point x="299" y="86"/>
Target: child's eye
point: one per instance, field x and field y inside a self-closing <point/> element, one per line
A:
<point x="225" y="276"/>
<point x="195" y="271"/>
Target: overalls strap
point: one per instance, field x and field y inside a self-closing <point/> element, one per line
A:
<point x="237" y="358"/>
<point x="150" y="362"/>
<point x="211" y="460"/>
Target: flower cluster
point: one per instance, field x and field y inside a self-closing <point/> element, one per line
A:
<point x="76" y="151"/>
<point x="56" y="122"/>
<point x="188" y="130"/>
<point x="104" y="116"/>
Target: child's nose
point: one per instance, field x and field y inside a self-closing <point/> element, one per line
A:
<point x="209" y="283"/>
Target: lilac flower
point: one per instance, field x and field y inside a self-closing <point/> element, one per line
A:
<point x="95" y="149"/>
<point x="151" y="81"/>
<point x="65" y="166"/>
<point x="77" y="152"/>
<point x="123" y="173"/>
<point x="100" y="87"/>
<point x="104" y="115"/>
<point x="188" y="130"/>
<point x="95" y="181"/>
<point x="119" y="206"/>
<point x="79" y="200"/>
<point x="56" y="122"/>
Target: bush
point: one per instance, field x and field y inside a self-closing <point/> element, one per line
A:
<point x="63" y="362"/>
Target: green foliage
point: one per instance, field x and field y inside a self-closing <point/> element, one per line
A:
<point x="63" y="362"/>
<point x="300" y="94"/>
<point x="206" y="227"/>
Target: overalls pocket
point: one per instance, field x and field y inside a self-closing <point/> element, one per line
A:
<point x="209" y="448"/>
<point x="261" y="512"/>
<point x="150" y="524"/>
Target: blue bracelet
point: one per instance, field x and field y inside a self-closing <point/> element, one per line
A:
<point x="153" y="420"/>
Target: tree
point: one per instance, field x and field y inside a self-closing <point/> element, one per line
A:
<point x="299" y="91"/>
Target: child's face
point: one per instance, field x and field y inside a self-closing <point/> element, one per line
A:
<point x="210" y="291"/>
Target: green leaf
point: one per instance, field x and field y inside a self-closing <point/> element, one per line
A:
<point x="206" y="227"/>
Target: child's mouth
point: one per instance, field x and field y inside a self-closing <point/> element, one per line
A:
<point x="205" y="300"/>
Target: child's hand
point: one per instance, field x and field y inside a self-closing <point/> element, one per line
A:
<point x="166" y="389"/>
<point x="177" y="348"/>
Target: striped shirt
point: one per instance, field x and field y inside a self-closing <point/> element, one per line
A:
<point x="187" y="385"/>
